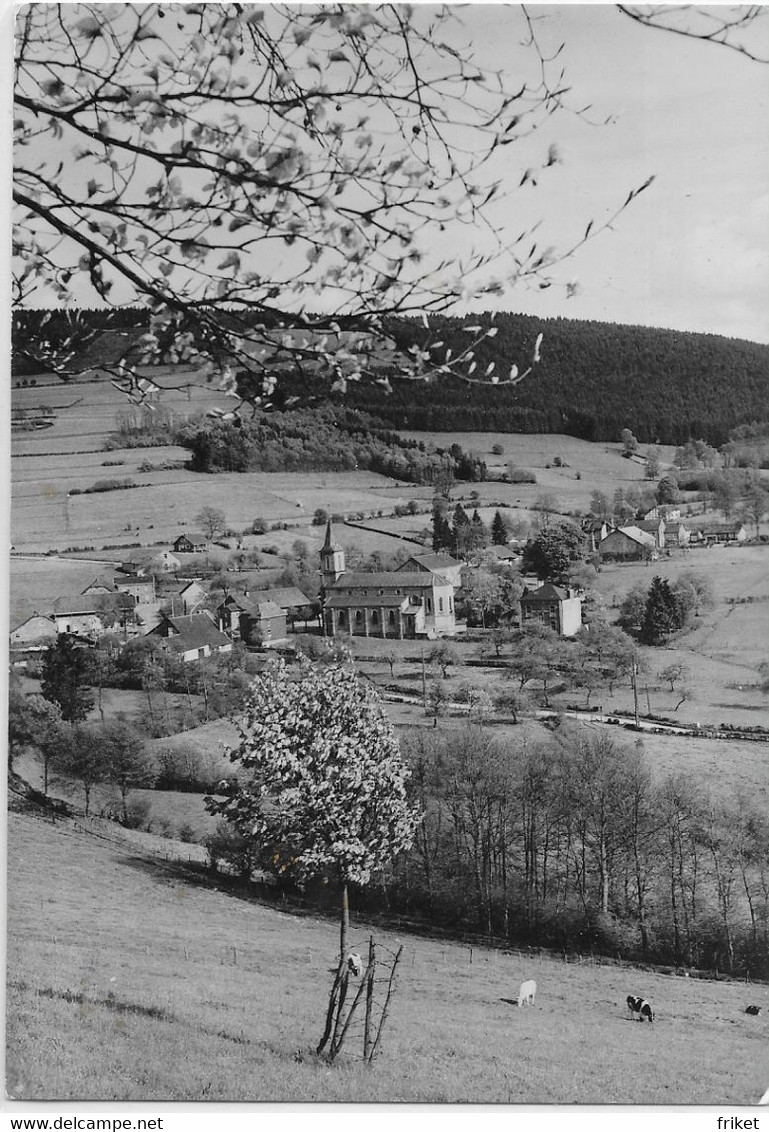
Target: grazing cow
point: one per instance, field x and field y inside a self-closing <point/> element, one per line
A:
<point x="755" y="1010"/>
<point x="354" y="965"/>
<point x="527" y="993"/>
<point x="638" y="1005"/>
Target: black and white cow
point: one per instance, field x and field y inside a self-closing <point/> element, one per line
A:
<point x="639" y="1006"/>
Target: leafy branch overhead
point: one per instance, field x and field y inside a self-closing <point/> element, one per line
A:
<point x="273" y="182"/>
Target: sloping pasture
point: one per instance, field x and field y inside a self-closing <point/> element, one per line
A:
<point x="131" y="980"/>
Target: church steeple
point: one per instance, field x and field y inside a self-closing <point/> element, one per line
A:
<point x="332" y="564"/>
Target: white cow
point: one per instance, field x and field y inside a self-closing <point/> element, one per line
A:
<point x="354" y="965"/>
<point x="527" y="993"/>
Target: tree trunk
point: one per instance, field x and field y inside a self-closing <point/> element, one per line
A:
<point x="344" y="924"/>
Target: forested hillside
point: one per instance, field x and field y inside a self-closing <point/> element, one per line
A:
<point x="593" y="379"/>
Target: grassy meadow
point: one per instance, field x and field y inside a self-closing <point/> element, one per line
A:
<point x="131" y="979"/>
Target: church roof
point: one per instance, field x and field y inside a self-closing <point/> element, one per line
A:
<point x="369" y="601"/>
<point x="388" y="579"/>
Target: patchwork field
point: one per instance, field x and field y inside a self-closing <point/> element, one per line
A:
<point x="130" y="979"/>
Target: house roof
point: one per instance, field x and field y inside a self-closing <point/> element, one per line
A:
<point x="392" y="579"/>
<point x="266" y="610"/>
<point x="93" y="603"/>
<point x="192" y="536"/>
<point x="714" y="526"/>
<point x="650" y="524"/>
<point x="287" y="597"/>
<point x="434" y="562"/>
<point x="192" y="585"/>
<point x="634" y="533"/>
<point x="133" y="580"/>
<point x="501" y="552"/>
<point x="34" y="617"/>
<point x="193" y="631"/>
<point x="546" y="592"/>
<point x="107" y="584"/>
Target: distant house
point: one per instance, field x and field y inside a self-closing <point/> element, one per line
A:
<point x="664" y="511"/>
<point x="709" y="532"/>
<point x="554" y="606"/>
<point x="594" y="530"/>
<point x="192" y="595"/>
<point x="142" y="588"/>
<point x="159" y="562"/>
<point x="36" y="631"/>
<point x="191" y="543"/>
<point x="443" y="564"/>
<point x="100" y="585"/>
<point x="93" y="614"/>
<point x="654" y="527"/>
<point x="501" y="553"/>
<point x="255" y="619"/>
<point x="676" y="534"/>
<point x="194" y="637"/>
<point x="627" y="544"/>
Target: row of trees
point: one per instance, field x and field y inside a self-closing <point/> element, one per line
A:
<point x="572" y="843"/>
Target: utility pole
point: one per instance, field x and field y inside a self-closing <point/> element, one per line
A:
<point x="424" y="681"/>
<point x="635" y="691"/>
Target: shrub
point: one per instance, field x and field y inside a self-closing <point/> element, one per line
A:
<point x="137" y="813"/>
<point x="497" y="450"/>
<point x="522" y="475"/>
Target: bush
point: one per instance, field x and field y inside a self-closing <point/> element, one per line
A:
<point x="497" y="450"/>
<point x="522" y="475"/>
<point x="226" y="846"/>
<point x="320" y="518"/>
<point x="137" y="813"/>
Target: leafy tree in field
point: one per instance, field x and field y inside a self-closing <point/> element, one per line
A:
<point x="320" y="517"/>
<point x="652" y="466"/>
<point x="81" y="759"/>
<point x="755" y="505"/>
<point x="326" y="786"/>
<point x="633" y="607"/>
<point x="555" y="551"/>
<point x="127" y="764"/>
<point x="32" y="722"/>
<point x="629" y="442"/>
<point x="499" y="534"/>
<point x="599" y="505"/>
<point x="444" y="656"/>
<point x="667" y="490"/>
<point x="674" y="672"/>
<point x="65" y="673"/>
<point x="662" y="614"/>
<point x="212" y="521"/>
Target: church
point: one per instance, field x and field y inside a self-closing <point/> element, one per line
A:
<point x="412" y="602"/>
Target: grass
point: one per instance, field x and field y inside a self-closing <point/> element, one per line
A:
<point x="131" y="980"/>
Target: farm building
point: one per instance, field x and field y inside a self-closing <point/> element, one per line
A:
<point x="255" y="619"/>
<point x="94" y="614"/>
<point x="142" y="588"/>
<point x="35" y="630"/>
<point x="558" y="608"/>
<point x="160" y="562"/>
<point x="400" y="604"/>
<point x="191" y="543"/>
<point x="627" y="544"/>
<point x="707" y="532"/>
<point x="443" y="564"/>
<point x="194" y="637"/>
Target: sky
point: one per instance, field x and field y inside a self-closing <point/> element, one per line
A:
<point x="691" y="252"/>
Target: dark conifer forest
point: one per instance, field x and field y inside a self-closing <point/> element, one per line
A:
<point x="593" y="379"/>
